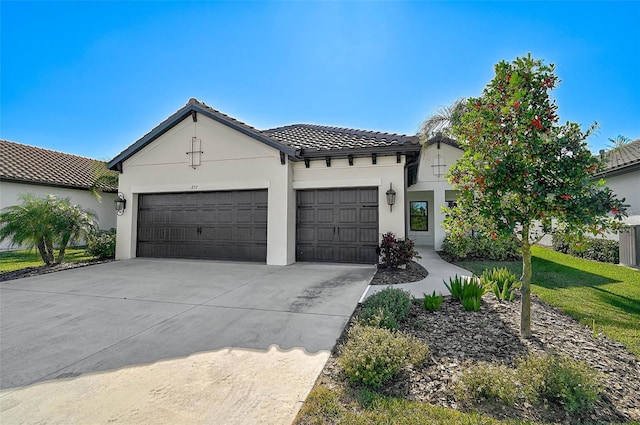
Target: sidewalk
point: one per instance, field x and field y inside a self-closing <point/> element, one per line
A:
<point x="439" y="272"/>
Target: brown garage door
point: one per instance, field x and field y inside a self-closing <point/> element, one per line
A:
<point x="337" y="225"/>
<point x="230" y="225"/>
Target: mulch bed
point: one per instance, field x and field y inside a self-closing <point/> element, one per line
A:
<point x="458" y="338"/>
<point x="44" y="269"/>
<point x="413" y="272"/>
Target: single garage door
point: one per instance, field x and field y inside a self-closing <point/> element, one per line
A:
<point x="229" y="225"/>
<point x="337" y="225"/>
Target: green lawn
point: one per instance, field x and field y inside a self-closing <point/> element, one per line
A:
<point x="350" y="407"/>
<point x="584" y="289"/>
<point x="16" y="260"/>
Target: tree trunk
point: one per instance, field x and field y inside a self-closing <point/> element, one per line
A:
<point x="42" y="249"/>
<point x="63" y="248"/>
<point x="525" y="315"/>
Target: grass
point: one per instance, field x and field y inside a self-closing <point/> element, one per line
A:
<point x="584" y="289"/>
<point x="364" y="407"/>
<point x="16" y="260"/>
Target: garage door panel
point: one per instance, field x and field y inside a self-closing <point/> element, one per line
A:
<point x="368" y="215"/>
<point x="368" y="235"/>
<point x="369" y="196"/>
<point x="337" y="225"/>
<point x="325" y="215"/>
<point x="228" y="225"/>
<point x="347" y="215"/>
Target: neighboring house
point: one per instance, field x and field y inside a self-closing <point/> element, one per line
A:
<point x="204" y="185"/>
<point x="40" y="172"/>
<point x="622" y="175"/>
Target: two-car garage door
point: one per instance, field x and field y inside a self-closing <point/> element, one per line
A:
<point x="333" y="225"/>
<point x="229" y="225"/>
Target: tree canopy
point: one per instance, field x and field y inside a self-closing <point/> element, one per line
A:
<point x="522" y="170"/>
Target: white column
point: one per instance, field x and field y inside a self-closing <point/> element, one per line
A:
<point x="438" y="217"/>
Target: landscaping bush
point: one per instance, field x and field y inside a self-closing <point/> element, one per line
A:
<point x="395" y="252"/>
<point x="501" y="282"/>
<point x="455" y="286"/>
<point x="562" y="380"/>
<point x="372" y="355"/>
<point x="482" y="247"/>
<point x="488" y="382"/>
<point x="386" y="308"/>
<point x="102" y="244"/>
<point x="432" y="302"/>
<point x="468" y="291"/>
<point x="603" y="250"/>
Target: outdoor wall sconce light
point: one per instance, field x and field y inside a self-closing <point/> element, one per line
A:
<point x="121" y="203"/>
<point x="391" y="196"/>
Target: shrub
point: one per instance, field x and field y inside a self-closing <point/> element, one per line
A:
<point x="481" y="246"/>
<point x="488" y="382"/>
<point x="501" y="282"/>
<point x="603" y="250"/>
<point x="372" y="356"/>
<point x="432" y="302"/>
<point x="468" y="290"/>
<point x="395" y="252"/>
<point x="386" y="308"/>
<point x="102" y="244"/>
<point x="455" y="286"/>
<point x="561" y="380"/>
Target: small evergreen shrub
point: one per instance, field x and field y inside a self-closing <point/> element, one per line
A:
<point x="501" y="282"/>
<point x="432" y="302"/>
<point x="386" y="308"/>
<point x="603" y="250"/>
<point x="482" y="247"/>
<point x="488" y="382"/>
<point x="561" y="380"/>
<point x="395" y="252"/>
<point x="372" y="355"/>
<point x="102" y="244"/>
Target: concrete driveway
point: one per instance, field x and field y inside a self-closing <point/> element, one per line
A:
<point x="170" y="341"/>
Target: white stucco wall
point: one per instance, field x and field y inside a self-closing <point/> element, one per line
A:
<point x="627" y="186"/>
<point x="433" y="187"/>
<point x="10" y="195"/>
<point x="361" y="174"/>
<point x="230" y="161"/>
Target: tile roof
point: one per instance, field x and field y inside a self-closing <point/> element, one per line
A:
<point x="324" y="138"/>
<point x="29" y="164"/>
<point x="298" y="141"/>
<point x="624" y="158"/>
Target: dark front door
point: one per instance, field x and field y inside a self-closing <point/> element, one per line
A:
<point x="225" y="225"/>
<point x="337" y="225"/>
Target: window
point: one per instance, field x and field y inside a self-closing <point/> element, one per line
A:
<point x="418" y="216"/>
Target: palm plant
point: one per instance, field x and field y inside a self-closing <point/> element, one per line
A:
<point x="43" y="223"/>
<point x="104" y="179"/>
<point x="443" y="119"/>
<point x="618" y="142"/>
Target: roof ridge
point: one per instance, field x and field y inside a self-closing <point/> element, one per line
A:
<point x="354" y="131"/>
<point x="194" y="101"/>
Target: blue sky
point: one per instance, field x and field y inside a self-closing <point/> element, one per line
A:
<point x="90" y="78"/>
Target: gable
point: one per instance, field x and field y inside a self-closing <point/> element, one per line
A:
<point x="196" y="143"/>
<point x="193" y="111"/>
<point x="436" y="160"/>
